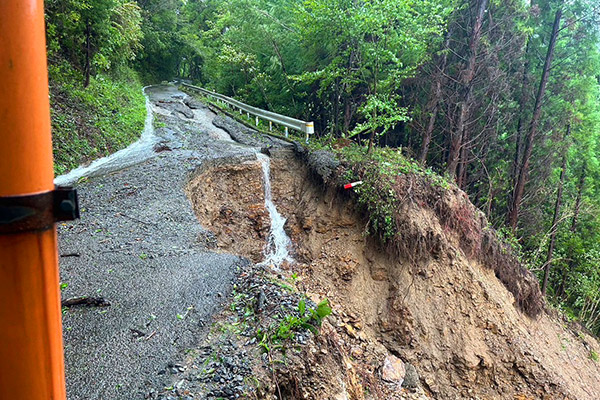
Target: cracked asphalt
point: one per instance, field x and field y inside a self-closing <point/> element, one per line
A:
<point x="139" y="246"/>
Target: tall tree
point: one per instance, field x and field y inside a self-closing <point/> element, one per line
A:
<point x="467" y="75"/>
<point x="436" y="97"/>
<point x="523" y="169"/>
<point x="556" y="216"/>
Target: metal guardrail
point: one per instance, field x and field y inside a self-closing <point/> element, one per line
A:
<point x="292" y="123"/>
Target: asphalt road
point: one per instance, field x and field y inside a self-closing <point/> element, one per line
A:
<point x="139" y="246"/>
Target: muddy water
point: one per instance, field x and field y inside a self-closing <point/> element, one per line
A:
<point x="278" y="242"/>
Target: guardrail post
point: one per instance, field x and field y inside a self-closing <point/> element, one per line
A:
<point x="31" y="350"/>
<point x="309" y="128"/>
<point x="256" y="121"/>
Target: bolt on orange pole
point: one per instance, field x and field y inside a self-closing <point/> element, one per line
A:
<point x="31" y="352"/>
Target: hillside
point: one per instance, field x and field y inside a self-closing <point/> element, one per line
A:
<point x="95" y="121"/>
<point x="465" y="262"/>
<point x="500" y="98"/>
<point x="443" y="295"/>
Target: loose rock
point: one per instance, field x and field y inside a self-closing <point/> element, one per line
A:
<point x="393" y="370"/>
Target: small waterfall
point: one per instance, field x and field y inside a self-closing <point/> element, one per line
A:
<point x="278" y="243"/>
<point x="136" y="153"/>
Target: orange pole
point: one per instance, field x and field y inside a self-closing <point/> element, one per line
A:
<point x="31" y="352"/>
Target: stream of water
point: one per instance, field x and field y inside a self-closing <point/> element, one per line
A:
<point x="134" y="154"/>
<point x="278" y="243"/>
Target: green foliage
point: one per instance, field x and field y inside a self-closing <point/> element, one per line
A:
<point x="305" y="319"/>
<point x="510" y="240"/>
<point x="382" y="69"/>
<point x="305" y="57"/>
<point x="92" y="122"/>
<point x="379" y="171"/>
<point x="97" y="103"/>
<point x="381" y="114"/>
<point x="100" y="34"/>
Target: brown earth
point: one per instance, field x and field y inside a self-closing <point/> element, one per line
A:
<point x="228" y="198"/>
<point x="442" y="311"/>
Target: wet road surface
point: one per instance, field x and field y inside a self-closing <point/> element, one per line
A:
<point x="139" y="246"/>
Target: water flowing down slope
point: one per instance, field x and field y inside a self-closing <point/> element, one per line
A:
<point x="278" y="242"/>
<point x="135" y="153"/>
<point x="441" y="312"/>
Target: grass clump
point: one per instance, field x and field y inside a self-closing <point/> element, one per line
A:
<point x="304" y="318"/>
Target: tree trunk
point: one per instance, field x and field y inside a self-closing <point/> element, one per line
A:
<point x="461" y="176"/>
<point x="467" y="77"/>
<point x="336" y="107"/>
<point x="557" y="205"/>
<point x="580" y="187"/>
<point x="436" y="90"/>
<point x="372" y="136"/>
<point x="522" y="105"/>
<point x="88" y="54"/>
<point x="573" y="229"/>
<point x="513" y="214"/>
<point x="347" y="114"/>
<point x="284" y="70"/>
<point x="347" y="92"/>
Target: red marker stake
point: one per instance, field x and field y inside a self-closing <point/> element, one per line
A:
<point x="351" y="185"/>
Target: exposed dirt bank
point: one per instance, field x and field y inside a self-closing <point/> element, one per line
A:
<point x="228" y="198"/>
<point x="450" y="320"/>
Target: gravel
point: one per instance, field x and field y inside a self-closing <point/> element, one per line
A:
<point x="230" y="364"/>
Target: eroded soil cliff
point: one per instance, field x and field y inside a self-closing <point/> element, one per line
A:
<point x="457" y="329"/>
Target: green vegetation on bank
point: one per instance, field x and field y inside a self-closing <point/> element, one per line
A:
<point x="92" y="122"/>
<point x="500" y="96"/>
<point x="97" y="104"/>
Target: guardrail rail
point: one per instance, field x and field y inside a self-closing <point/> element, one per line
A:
<point x="307" y="128"/>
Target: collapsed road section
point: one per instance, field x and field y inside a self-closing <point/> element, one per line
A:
<point x="425" y="321"/>
<point x="140" y="250"/>
<point x="414" y="325"/>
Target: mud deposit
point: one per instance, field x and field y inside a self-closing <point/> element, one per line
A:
<point x="441" y="327"/>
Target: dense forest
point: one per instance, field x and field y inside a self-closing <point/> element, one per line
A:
<point x="500" y="97"/>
